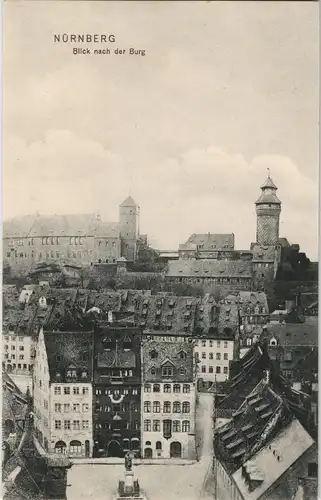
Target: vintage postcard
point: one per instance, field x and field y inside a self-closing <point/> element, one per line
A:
<point x="160" y="250"/>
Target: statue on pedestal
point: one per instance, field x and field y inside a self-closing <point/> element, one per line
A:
<point x="128" y="461"/>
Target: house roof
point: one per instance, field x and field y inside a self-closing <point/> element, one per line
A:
<point x="228" y="320"/>
<point x="167" y="351"/>
<point x="263" y="253"/>
<point x="116" y="359"/>
<point x="209" y="268"/>
<point x="253" y="423"/>
<point x="295" y="334"/>
<point x="66" y="349"/>
<point x="212" y="241"/>
<point x="59" y="225"/>
<point x="290" y="443"/>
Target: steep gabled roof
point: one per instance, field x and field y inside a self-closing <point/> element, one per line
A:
<point x="129" y="202"/>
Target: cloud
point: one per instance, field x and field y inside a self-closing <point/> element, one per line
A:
<point x="201" y="190"/>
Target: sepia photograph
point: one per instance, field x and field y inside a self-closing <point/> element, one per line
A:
<point x="160" y="250"/>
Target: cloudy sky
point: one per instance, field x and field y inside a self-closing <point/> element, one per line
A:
<point x="225" y="91"/>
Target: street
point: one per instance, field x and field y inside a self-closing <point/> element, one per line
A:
<point x="159" y="482"/>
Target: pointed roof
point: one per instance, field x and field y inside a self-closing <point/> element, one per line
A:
<point x="268" y="183"/>
<point x="129" y="202"/>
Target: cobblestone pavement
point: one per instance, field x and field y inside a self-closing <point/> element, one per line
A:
<point x="159" y="482"/>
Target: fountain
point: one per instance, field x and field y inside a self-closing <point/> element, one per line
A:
<point x="129" y="489"/>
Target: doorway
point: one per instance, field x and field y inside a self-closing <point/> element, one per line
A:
<point x="175" y="450"/>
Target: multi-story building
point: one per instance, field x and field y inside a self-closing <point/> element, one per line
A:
<point x="228" y="274"/>
<point x="18" y="353"/>
<point x="71" y="239"/>
<point x="168" y="399"/>
<point x="207" y="246"/>
<point x="117" y="391"/>
<point x="62" y="384"/>
<point x="214" y="356"/>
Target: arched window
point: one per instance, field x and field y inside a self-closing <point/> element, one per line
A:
<point x="147" y="388"/>
<point x="147" y="406"/>
<point x="167" y="388"/>
<point x="156" y="407"/>
<point x="75" y="448"/>
<point x="71" y="240"/>
<point x="156" y="388"/>
<point x="186" y="388"/>
<point x="176" y="407"/>
<point x="153" y="370"/>
<point x="167" y="407"/>
<point x="158" y="445"/>
<point x="186" y="407"/>
<point x="177" y="388"/>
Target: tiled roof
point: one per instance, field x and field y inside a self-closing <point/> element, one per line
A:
<point x="69" y="349"/>
<point x="59" y="225"/>
<point x="228" y="319"/>
<point x="209" y="268"/>
<point x="167" y="351"/>
<point x="113" y="359"/>
<point x="295" y="334"/>
<point x="273" y="460"/>
<point x="253" y="423"/>
<point x="212" y="241"/>
<point x="263" y="253"/>
<point x="268" y="198"/>
<point x="206" y="317"/>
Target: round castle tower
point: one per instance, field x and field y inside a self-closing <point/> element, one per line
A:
<point x="268" y="209"/>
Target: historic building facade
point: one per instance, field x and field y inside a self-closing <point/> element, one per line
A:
<point x="168" y="399"/>
<point x="76" y="239"/>
<point x="62" y="389"/>
<point x="117" y="391"/>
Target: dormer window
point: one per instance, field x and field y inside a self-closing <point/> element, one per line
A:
<point x="127" y="344"/>
<point x="167" y="371"/>
<point x="58" y="357"/>
<point x="107" y="343"/>
<point x="182" y="355"/>
<point x="273" y="342"/>
<point x="153" y="354"/>
<point x="84" y="374"/>
<point x="153" y="370"/>
<point x="58" y="375"/>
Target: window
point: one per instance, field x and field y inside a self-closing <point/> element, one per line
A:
<point x="75" y="448"/>
<point x="156" y="388"/>
<point x="203" y="369"/>
<point x="57" y="391"/>
<point x="185" y="426"/>
<point x="76" y="425"/>
<point x="67" y="424"/>
<point x="167" y="388"/>
<point x="218" y="343"/>
<point x="167" y="371"/>
<point x="182" y="355"/>
<point x="218" y="355"/>
<point x="203" y="343"/>
<point x="85" y="424"/>
<point x="84" y="374"/>
<point x="156" y="407"/>
<point x="210" y="369"/>
<point x="13" y="356"/>
<point x="225" y="355"/>
<point x="211" y="355"/>
<point x="147" y="425"/>
<point x="186" y="388"/>
<point x="57" y="424"/>
<point x="66" y="407"/>
<point x="167" y="407"/>
<point x="186" y="407"/>
<point x="21" y="356"/>
<point x="177" y="388"/>
<point x="225" y="344"/>
<point x="85" y="407"/>
<point x="211" y="343"/>
<point x="153" y="370"/>
<point x="156" y="425"/>
<point x="76" y="407"/>
<point x="147" y="406"/>
<point x="176" y="407"/>
<point x="21" y="348"/>
<point x="176" y="426"/>
<point x="225" y="370"/>
<point x="203" y="355"/>
<point x="312" y="469"/>
<point x="218" y="369"/>
<point x="13" y="348"/>
<point x="158" y="445"/>
<point x="57" y="407"/>
<point x="147" y="388"/>
<point x="75" y="391"/>
<point x="67" y="390"/>
<point x="85" y="391"/>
